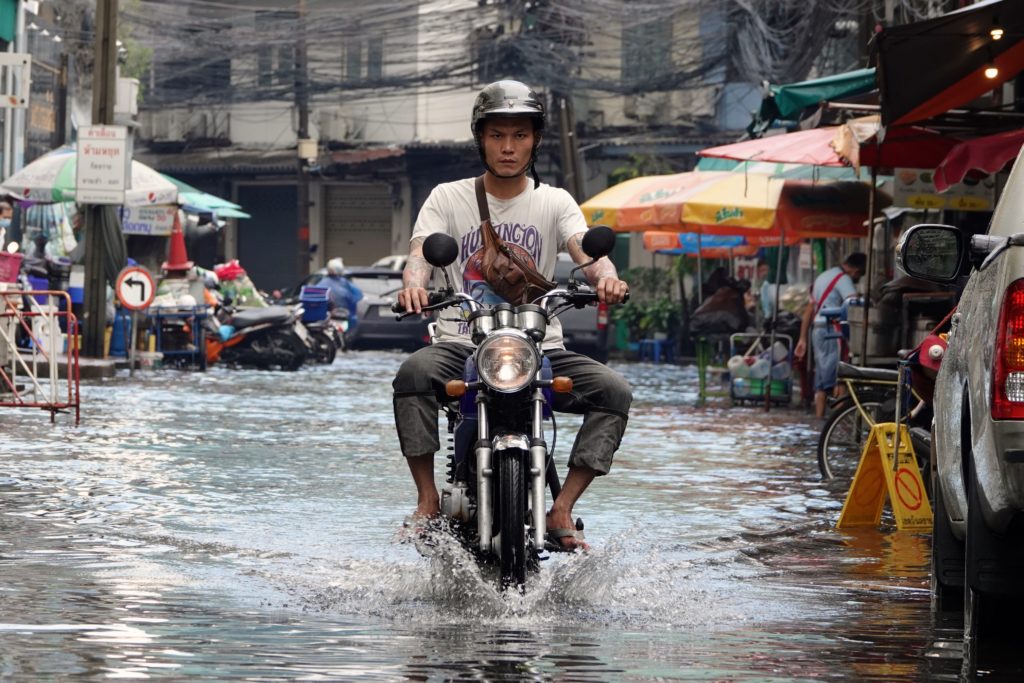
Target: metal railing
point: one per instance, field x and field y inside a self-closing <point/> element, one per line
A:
<point x="32" y="377"/>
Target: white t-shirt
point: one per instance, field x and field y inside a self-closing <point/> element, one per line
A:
<point x="537" y="222"/>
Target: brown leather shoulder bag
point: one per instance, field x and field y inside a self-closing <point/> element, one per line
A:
<point x="508" y="273"/>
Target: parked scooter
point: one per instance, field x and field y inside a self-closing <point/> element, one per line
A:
<point x="327" y="336"/>
<point x="265" y="338"/>
<point x="500" y="464"/>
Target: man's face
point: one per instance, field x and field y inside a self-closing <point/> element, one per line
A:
<point x="508" y="144"/>
<point x="856" y="275"/>
<point x="6" y="211"/>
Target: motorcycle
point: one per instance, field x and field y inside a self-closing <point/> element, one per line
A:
<point x="498" y="461"/>
<point x="327" y="336"/>
<point x="264" y="338"/>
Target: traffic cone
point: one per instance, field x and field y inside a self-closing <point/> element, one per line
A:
<point x="177" y="258"/>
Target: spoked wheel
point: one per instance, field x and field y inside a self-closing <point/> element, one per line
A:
<point x="512" y="518"/>
<point x="844" y="435"/>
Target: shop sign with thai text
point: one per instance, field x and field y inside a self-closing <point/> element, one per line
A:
<point x="102" y="166"/>
<point x="914" y="188"/>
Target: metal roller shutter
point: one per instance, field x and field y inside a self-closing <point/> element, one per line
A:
<point x="357" y="225"/>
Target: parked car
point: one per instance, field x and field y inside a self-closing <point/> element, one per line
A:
<point x="393" y="262"/>
<point x="585" y="330"/>
<point x="377" y="328"/>
<point x="978" y="432"/>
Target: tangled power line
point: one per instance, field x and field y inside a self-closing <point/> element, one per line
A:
<point x="221" y="52"/>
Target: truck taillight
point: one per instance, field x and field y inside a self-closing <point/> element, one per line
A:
<point x="602" y="315"/>
<point x="1008" y="364"/>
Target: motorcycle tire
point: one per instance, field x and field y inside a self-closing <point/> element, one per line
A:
<point x="512" y="518"/>
<point x="325" y="350"/>
<point x="289" y="351"/>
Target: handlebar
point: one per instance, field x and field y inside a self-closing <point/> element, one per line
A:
<point x="444" y="298"/>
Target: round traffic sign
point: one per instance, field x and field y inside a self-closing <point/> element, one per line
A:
<point x="135" y="288"/>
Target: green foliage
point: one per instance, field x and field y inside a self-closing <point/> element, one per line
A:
<point x="647" y="283"/>
<point x="650" y="308"/>
<point x="139" y="56"/>
<point x="644" y="318"/>
<point x="639" y="165"/>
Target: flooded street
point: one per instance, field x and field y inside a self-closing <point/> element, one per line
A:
<point x="240" y="525"/>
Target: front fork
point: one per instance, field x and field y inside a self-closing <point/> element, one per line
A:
<point x="484" y="463"/>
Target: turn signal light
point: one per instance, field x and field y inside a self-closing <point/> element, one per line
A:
<point x="455" y="388"/>
<point x="561" y="385"/>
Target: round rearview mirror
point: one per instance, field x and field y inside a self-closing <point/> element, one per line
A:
<point x="440" y="250"/>
<point x="931" y="252"/>
<point x="598" y="241"/>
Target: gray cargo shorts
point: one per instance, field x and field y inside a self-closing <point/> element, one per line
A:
<point x="600" y="394"/>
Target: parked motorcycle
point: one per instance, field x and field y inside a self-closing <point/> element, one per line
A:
<point x="499" y="462"/>
<point x="265" y="338"/>
<point x="327" y="336"/>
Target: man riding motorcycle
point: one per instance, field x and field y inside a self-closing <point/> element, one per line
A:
<point x="537" y="221"/>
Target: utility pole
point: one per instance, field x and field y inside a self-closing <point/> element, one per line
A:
<point x="571" y="178"/>
<point x="302" y="107"/>
<point x="104" y="84"/>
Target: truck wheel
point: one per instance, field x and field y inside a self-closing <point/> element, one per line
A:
<point x="947" y="557"/>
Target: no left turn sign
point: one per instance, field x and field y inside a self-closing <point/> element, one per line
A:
<point x="135" y="288"/>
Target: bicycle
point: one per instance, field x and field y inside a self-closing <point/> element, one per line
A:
<point x="870" y="398"/>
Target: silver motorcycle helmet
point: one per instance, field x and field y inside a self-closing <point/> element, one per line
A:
<point x="508" y="99"/>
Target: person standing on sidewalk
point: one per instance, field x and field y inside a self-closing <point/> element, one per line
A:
<point x="830" y="290"/>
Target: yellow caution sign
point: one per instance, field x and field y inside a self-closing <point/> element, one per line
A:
<point x="879" y="473"/>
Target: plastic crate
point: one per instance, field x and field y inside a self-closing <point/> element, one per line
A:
<point x="751" y="389"/>
<point x="314" y="303"/>
<point x="10" y="264"/>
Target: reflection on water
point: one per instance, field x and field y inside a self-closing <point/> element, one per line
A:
<point x="236" y="524"/>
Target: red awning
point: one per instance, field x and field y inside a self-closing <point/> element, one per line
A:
<point x="855" y="143"/>
<point x="813" y="147"/>
<point x="929" y="67"/>
<point x="989" y="154"/>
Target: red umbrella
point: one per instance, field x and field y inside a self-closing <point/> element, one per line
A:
<point x="989" y="154"/>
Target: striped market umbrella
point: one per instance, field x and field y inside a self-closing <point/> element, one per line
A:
<point x="51" y="179"/>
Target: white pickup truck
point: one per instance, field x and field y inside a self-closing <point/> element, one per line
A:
<point x="978" y="431"/>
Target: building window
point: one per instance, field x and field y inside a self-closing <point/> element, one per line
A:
<point x="353" y="60"/>
<point x="374" y="59"/>
<point x="275" y="64"/>
<point x="358" y="53"/>
<point x="644" y="52"/>
<point x="284" y="74"/>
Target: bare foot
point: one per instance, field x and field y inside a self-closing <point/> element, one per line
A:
<point x="563" y="520"/>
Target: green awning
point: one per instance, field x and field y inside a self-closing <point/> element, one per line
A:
<point x="8" y="19"/>
<point x="783" y="102"/>
<point x="194" y="198"/>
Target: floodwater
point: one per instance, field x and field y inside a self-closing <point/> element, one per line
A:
<point x="242" y="525"/>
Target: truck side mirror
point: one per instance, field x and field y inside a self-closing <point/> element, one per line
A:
<point x="931" y="252"/>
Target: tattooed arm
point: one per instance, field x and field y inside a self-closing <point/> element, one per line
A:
<point x="415" y="278"/>
<point x="602" y="274"/>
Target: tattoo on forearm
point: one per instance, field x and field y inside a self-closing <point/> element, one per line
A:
<point x="417" y="272"/>
<point x="602" y="268"/>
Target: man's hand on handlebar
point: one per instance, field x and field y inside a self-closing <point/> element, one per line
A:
<point x="611" y="290"/>
<point x="413" y="299"/>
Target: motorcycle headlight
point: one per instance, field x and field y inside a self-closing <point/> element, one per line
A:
<point x="507" y="361"/>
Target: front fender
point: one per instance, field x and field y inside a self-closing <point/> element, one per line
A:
<point x="504" y="442"/>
